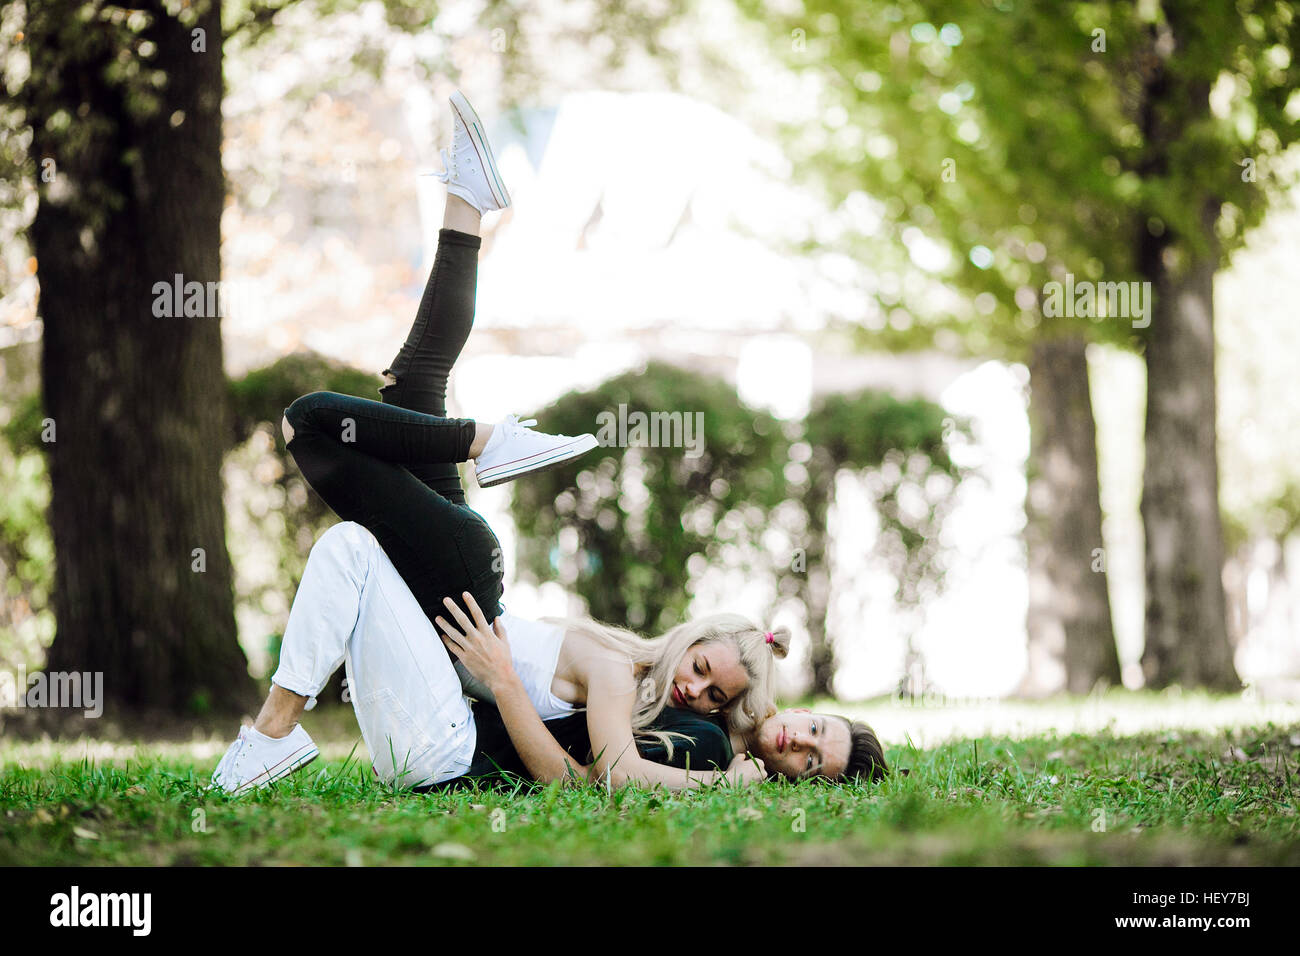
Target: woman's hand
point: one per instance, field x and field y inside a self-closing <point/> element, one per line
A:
<point x="745" y="769"/>
<point x="483" y="649"/>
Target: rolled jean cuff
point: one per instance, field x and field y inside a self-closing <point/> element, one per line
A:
<point x="454" y="238"/>
<point x="291" y="684"/>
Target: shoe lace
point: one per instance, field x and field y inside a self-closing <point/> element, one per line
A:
<point x="514" y="420"/>
<point x="229" y="758"/>
<point x="449" y="168"/>
<point x="460" y="146"/>
<point x="245" y="739"/>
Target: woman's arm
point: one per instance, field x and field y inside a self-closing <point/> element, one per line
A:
<point x="611" y="697"/>
<point x="541" y="753"/>
<point x="485" y="651"/>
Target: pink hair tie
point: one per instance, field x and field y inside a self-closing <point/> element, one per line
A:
<point x="769" y="637"/>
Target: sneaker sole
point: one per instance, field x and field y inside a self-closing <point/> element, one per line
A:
<point x="556" y="457"/>
<point x="479" y="139"/>
<point x="295" y="761"/>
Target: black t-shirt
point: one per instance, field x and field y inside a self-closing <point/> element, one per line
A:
<point x="706" y="744"/>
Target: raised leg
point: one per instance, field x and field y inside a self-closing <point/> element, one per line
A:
<point x="417" y="377"/>
<point x="460" y="216"/>
<point x="441" y="327"/>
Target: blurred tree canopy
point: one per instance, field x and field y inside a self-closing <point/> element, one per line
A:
<point x="1013" y="144"/>
<point x="627" y="527"/>
<point x="261" y="395"/>
<point x="621" y="527"/>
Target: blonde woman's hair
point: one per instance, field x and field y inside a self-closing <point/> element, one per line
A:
<point x="654" y="663"/>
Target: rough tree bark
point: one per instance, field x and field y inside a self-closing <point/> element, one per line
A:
<point x="137" y="401"/>
<point x="1186" y="609"/>
<point x="1071" y="638"/>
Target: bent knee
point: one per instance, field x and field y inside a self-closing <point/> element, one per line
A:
<point x="302" y="408"/>
<point x="346" y="544"/>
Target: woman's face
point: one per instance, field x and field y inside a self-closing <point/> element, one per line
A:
<point x="709" y="677"/>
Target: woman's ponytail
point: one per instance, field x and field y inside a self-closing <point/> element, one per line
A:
<point x="778" y="640"/>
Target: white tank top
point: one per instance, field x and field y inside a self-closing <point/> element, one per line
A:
<point x="535" y="650"/>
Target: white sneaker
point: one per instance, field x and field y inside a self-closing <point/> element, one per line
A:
<point x="255" y="760"/>
<point x="470" y="169"/>
<point x="514" y="450"/>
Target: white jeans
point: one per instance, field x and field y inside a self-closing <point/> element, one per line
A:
<point x="352" y="606"/>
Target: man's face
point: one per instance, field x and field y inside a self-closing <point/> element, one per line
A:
<point x="799" y="743"/>
<point x="708" y="678"/>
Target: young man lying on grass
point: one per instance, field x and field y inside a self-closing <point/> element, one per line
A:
<point x="354" y="608"/>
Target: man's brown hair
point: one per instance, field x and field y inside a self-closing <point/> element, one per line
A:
<point x="866" y="756"/>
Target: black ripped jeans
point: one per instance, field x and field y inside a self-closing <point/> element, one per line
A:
<point x="390" y="465"/>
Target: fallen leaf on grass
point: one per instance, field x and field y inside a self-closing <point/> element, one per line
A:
<point x="453" y="851"/>
<point x="85" y="834"/>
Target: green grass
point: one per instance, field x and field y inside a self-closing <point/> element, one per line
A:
<point x="1225" y="797"/>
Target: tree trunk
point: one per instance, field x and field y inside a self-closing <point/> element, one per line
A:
<point x="1071" y="640"/>
<point x="1186" y="613"/>
<point x="143" y="589"/>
